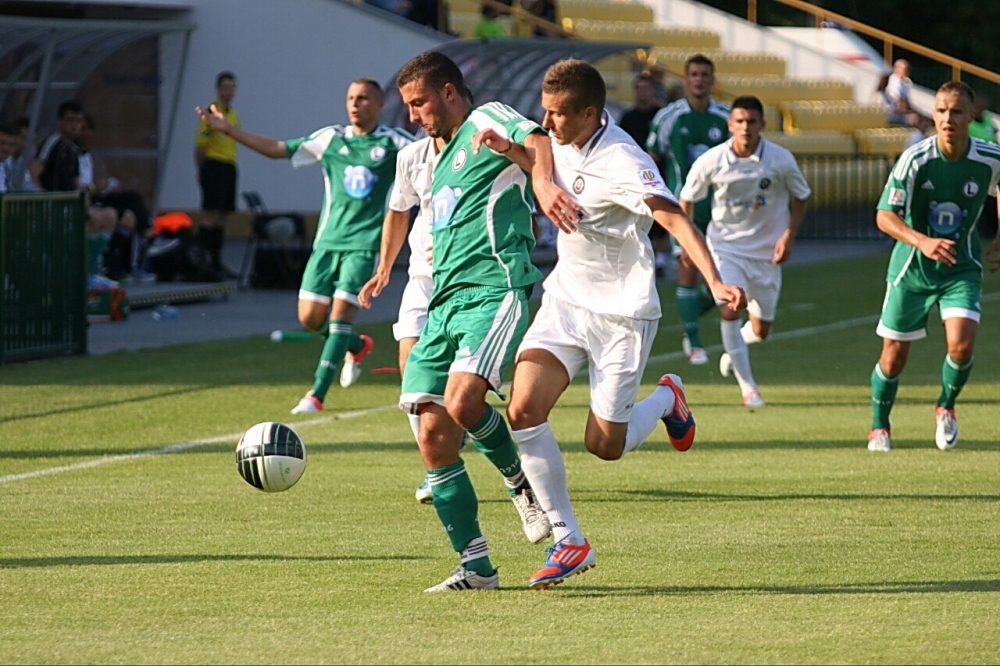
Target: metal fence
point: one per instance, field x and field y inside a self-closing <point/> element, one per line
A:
<point x="43" y="264"/>
<point x="846" y="190"/>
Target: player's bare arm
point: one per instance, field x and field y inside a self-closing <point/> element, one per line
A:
<point x="677" y="221"/>
<point x="783" y="248"/>
<point x="266" y="146"/>
<point x="394" y="229"/>
<point x="553" y="202"/>
<point x="936" y="249"/>
<point x="502" y="145"/>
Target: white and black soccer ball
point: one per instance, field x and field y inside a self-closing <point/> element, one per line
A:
<point x="271" y="457"/>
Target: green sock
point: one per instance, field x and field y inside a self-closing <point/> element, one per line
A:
<point x="342" y="337"/>
<point x="953" y="378"/>
<point x="458" y="508"/>
<point x="492" y="437"/>
<point x="96" y="244"/>
<point x="689" y="308"/>
<point x="883" y="396"/>
<point x="706" y="299"/>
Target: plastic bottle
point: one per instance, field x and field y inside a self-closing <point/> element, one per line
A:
<point x="164" y="311"/>
<point x="286" y="336"/>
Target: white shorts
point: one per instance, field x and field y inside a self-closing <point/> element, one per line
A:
<point x="760" y="279"/>
<point x="413" y="308"/>
<point x="615" y="348"/>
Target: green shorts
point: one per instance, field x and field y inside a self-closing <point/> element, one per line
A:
<point x="904" y="311"/>
<point x="476" y="330"/>
<point x="330" y="274"/>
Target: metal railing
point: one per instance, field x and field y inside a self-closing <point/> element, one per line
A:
<point x="43" y="248"/>
<point x="889" y="41"/>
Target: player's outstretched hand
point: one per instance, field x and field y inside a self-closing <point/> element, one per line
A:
<point x="783" y="249"/>
<point x="372" y="289"/>
<point x="993" y="254"/>
<point x="492" y="140"/>
<point x="556" y="205"/>
<point x="938" y="249"/>
<point x="731" y="295"/>
<point x="213" y="117"/>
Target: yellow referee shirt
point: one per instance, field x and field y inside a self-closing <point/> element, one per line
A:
<point x="216" y="145"/>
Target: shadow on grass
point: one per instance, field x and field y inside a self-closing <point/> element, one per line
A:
<point x="888" y="587"/>
<point x="107" y="403"/>
<point x="222" y="447"/>
<point x="114" y="560"/>
<point x="693" y="496"/>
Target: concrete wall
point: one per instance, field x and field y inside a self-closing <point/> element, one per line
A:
<point x="294" y="60"/>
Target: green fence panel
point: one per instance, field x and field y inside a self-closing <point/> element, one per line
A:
<point x="43" y="250"/>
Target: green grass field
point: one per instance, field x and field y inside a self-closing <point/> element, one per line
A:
<point x="777" y="538"/>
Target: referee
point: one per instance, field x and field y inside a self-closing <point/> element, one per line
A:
<point x="215" y="155"/>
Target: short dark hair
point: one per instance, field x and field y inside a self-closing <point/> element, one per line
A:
<point x="223" y="76"/>
<point x="644" y="76"/>
<point x="89" y="121"/>
<point x="580" y="80"/>
<point x="699" y="59"/>
<point x="959" y="88"/>
<point x="24" y="122"/>
<point x="433" y="68"/>
<point x="750" y="103"/>
<point x="371" y="83"/>
<point x="69" y="106"/>
<point x="8" y="129"/>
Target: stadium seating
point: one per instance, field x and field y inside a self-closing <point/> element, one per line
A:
<point x="888" y="141"/>
<point x="726" y="62"/>
<point x="843" y="116"/>
<point x="845" y="183"/>
<point x="777" y="89"/>
<point x="624" y="31"/>
<point x="605" y="10"/>
<point x="816" y="142"/>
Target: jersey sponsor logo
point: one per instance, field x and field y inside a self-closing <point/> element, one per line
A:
<point x="459" y="160"/>
<point x="443" y="205"/>
<point x="714" y="133"/>
<point x="970" y="189"/>
<point x="759" y="202"/>
<point x="377" y="154"/>
<point x="928" y="185"/>
<point x="695" y="151"/>
<point x="896" y="196"/>
<point x="359" y="181"/>
<point x="946" y="218"/>
<point x="764" y="183"/>
<point x="649" y="179"/>
<point x="578" y="184"/>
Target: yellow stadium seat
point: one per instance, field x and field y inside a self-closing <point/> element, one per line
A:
<point x="777" y="89"/>
<point x="888" y="141"/>
<point x="624" y="31"/>
<point x="465" y="6"/>
<point x="843" y="183"/>
<point x="605" y="10"/>
<point x="842" y="116"/>
<point x="726" y="62"/>
<point x="816" y="142"/>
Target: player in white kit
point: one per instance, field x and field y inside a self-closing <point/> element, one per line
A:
<point x="600" y="308"/>
<point x="758" y="202"/>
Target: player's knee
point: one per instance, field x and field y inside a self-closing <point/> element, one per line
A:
<point x="464" y="409"/>
<point x="605" y="448"/>
<point x="960" y="351"/>
<point x="520" y="415"/>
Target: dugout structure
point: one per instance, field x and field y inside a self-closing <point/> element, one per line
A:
<point x="43" y="251"/>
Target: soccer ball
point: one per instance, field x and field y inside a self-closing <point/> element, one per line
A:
<point x="271" y="457"/>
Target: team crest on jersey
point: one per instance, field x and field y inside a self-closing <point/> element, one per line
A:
<point x="377" y="154"/>
<point x="578" y="185"/>
<point x="459" y="161"/>
<point x="764" y="183"/>
<point x="946" y="218"/>
<point x="970" y="189"/>
<point x="358" y="181"/>
<point x="649" y="179"/>
<point x="714" y="133"/>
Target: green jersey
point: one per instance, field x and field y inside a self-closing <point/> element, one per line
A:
<point x="942" y="199"/>
<point x="679" y="135"/>
<point x="482" y="209"/>
<point x="358" y="172"/>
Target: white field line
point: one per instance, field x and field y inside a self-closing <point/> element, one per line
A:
<point x="184" y="446"/>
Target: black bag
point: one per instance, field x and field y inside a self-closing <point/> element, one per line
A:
<point x="179" y="256"/>
<point x="276" y="267"/>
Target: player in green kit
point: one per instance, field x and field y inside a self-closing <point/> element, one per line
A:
<point x="930" y="205"/>
<point x="478" y="311"/>
<point x="680" y="134"/>
<point x="359" y="165"/>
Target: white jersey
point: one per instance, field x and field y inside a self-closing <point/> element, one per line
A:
<point x="606" y="266"/>
<point x="414" y="168"/>
<point x="750" y="197"/>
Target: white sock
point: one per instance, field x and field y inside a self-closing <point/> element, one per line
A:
<point x="749" y="336"/>
<point x="736" y="347"/>
<point x="542" y="463"/>
<point x="415" y="426"/>
<point x="645" y="415"/>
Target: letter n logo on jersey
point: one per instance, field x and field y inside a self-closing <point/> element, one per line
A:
<point x="945" y="218"/>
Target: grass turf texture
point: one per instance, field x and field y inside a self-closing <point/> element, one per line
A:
<point x="777" y="538"/>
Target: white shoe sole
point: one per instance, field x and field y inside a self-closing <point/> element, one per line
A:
<point x="725" y="365"/>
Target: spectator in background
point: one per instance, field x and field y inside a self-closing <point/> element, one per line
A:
<point x="983" y="125"/>
<point x="546" y="10"/>
<point x="636" y="121"/>
<point x="20" y="176"/>
<point x="56" y="165"/>
<point x="215" y="155"/>
<point x="489" y="26"/>
<point x="7" y="139"/>
<point x="897" y="94"/>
